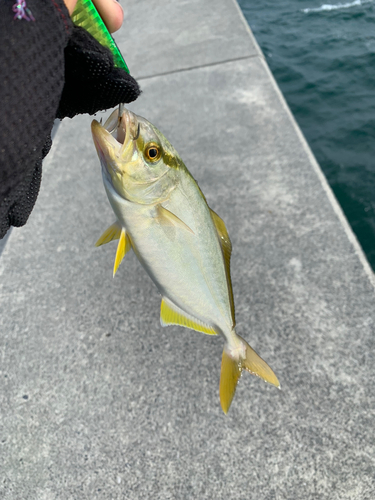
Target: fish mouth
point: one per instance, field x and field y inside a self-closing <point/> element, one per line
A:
<point x="116" y="138"/>
<point x="123" y="126"/>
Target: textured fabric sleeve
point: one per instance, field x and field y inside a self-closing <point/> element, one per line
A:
<point x="31" y="83"/>
<point x="48" y="68"/>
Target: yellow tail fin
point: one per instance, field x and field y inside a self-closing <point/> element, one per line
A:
<point x="230" y="373"/>
<point x="231" y="369"/>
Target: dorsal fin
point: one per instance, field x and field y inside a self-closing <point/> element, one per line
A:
<point x="226" y="247"/>
<point x="123" y="247"/>
<point x="111" y="233"/>
<point x="170" y="314"/>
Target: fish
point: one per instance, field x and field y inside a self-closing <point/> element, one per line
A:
<point x="163" y="216"/>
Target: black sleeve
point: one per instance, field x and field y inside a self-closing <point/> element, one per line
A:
<point x="48" y="68"/>
<point x="31" y="83"/>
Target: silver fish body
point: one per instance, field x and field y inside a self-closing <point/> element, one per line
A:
<point x="187" y="267"/>
<point x="181" y="243"/>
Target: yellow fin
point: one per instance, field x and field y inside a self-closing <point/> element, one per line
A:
<point x="257" y="366"/>
<point x="171" y="219"/>
<point x="226" y="247"/>
<point x="231" y="369"/>
<point x="230" y="373"/>
<point x="170" y="314"/>
<point x="112" y="233"/>
<point x="123" y="248"/>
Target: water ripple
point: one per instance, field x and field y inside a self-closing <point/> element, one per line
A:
<point x="323" y="59"/>
<point x="336" y="6"/>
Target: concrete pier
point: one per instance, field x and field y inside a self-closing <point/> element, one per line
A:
<point x="97" y="401"/>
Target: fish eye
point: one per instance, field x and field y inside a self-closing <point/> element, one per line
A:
<point x="152" y="152"/>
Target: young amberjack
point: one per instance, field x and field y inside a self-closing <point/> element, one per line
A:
<point x="183" y="245"/>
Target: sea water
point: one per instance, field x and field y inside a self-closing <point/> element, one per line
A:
<point x="322" y="55"/>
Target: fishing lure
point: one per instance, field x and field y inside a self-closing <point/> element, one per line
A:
<point x="86" y="16"/>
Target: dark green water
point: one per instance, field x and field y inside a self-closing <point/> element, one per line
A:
<point x="323" y="58"/>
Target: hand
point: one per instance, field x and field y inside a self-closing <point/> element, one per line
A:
<point x="92" y="82"/>
<point x="110" y="11"/>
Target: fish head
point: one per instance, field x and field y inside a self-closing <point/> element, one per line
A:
<point x="137" y="160"/>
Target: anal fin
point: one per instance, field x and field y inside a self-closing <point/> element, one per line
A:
<point x="170" y="314"/>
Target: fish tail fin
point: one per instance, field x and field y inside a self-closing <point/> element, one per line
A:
<point x="254" y="364"/>
<point x="230" y="373"/>
<point x="232" y="364"/>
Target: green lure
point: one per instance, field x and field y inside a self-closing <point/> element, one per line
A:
<point x="86" y="16"/>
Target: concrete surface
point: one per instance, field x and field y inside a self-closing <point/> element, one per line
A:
<point x="97" y="401"/>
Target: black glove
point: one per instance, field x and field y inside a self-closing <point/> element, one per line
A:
<point x="92" y="83"/>
<point x="36" y="58"/>
<point x="25" y="197"/>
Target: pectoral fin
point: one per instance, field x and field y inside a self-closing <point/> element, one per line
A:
<point x="123" y="247"/>
<point x="167" y="217"/>
<point x="112" y="233"/>
<point x="170" y="314"/>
